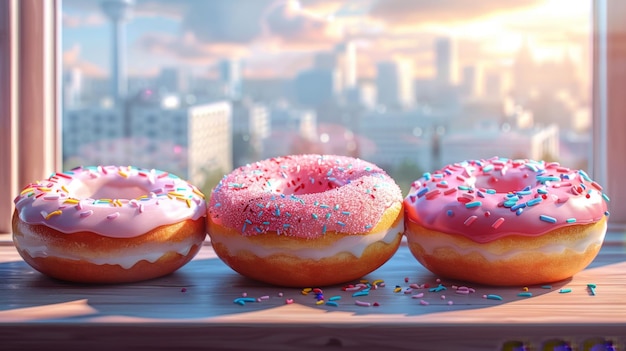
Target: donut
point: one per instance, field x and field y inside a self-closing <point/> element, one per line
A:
<point x="505" y="221"/>
<point x="306" y="220"/>
<point x="109" y="224"/>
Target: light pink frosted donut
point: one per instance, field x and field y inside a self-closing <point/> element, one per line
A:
<point x="109" y="224"/>
<point x="506" y="212"/>
<point x="307" y="207"/>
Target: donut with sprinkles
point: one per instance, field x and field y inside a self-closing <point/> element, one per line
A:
<point x="306" y="220"/>
<point x="109" y="224"/>
<point x="506" y="221"/>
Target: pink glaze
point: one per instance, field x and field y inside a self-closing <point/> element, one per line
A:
<point x="118" y="202"/>
<point x="488" y="199"/>
<point x="304" y="196"/>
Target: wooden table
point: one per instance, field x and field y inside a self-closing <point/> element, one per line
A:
<point x="194" y="308"/>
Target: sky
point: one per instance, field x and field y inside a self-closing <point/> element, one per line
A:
<point x="277" y="38"/>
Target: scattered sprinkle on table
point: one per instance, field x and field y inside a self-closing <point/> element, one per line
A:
<point x="565" y="291"/>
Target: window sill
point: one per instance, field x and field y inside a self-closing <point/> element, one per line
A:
<point x="37" y="311"/>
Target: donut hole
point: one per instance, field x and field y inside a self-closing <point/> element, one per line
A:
<point x="100" y="189"/>
<point x="508" y="183"/>
<point x="307" y="185"/>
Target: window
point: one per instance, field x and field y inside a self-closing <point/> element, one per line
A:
<point x="327" y="96"/>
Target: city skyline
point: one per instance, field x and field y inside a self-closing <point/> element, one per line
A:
<point x="281" y="38"/>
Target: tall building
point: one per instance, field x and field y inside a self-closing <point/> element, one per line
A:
<point x="316" y="86"/>
<point x="469" y="81"/>
<point x="251" y="126"/>
<point x="394" y="84"/>
<point x="72" y="87"/>
<point x="190" y="141"/>
<point x="172" y="80"/>
<point x="444" y="61"/>
<point x="118" y="11"/>
<point x="231" y="78"/>
<point x="536" y="143"/>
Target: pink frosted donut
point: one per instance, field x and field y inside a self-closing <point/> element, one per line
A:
<point x="109" y="224"/>
<point x="307" y="220"/>
<point x="505" y="222"/>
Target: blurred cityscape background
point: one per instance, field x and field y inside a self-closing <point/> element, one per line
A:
<point x="198" y="88"/>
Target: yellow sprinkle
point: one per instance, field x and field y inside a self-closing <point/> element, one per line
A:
<point x="122" y="173"/>
<point x="117" y="202"/>
<point x="364" y="281"/>
<point x="188" y="203"/>
<point x="142" y="197"/>
<point x="378" y="281"/>
<point x="319" y="302"/>
<point x="43" y="188"/>
<point x="397" y="290"/>
<point x="53" y="213"/>
<point x="175" y="194"/>
<point x="525" y="288"/>
<point x="71" y="201"/>
<point x="197" y="192"/>
<point x="64" y="188"/>
<point x="105" y="200"/>
<point x="306" y="291"/>
<point x="26" y="191"/>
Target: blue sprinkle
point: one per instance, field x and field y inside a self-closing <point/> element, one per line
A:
<point x="324" y="229"/>
<point x="277" y="212"/>
<point x="314" y="215"/>
<point x="328" y="215"/>
<point x="524" y="192"/>
<point x="324" y="206"/>
<point x="490" y="191"/>
<point x="534" y="201"/>
<point x="218" y="204"/>
<point x="494" y="297"/>
<point x="480" y="194"/>
<point x="450" y="213"/>
<point x="332" y="303"/>
<point x="605" y="197"/>
<point x="361" y="293"/>
<point x="542" y="191"/>
<point x="341" y="223"/>
<point x="248" y="221"/>
<point x="260" y="205"/>
<point x="334" y="298"/>
<point x="329" y="172"/>
<point x="532" y="167"/>
<point x="286" y="225"/>
<point x="345" y="213"/>
<point x="518" y="206"/>
<point x="488" y="168"/>
<point x="473" y="204"/>
<point x="510" y="203"/>
<point x="422" y="192"/>
<point x="585" y="176"/>
<point x="260" y="214"/>
<point x="527" y="188"/>
<point x="525" y="294"/>
<point x="546" y="286"/>
<point x="336" y="207"/>
<point x="258" y="230"/>
<point x="368" y="169"/>
<point x="547" y="219"/>
<point x="519" y="211"/>
<point x="266" y="223"/>
<point x="426" y="176"/>
<point x="463" y="187"/>
<point x="607" y="213"/>
<point x="368" y="226"/>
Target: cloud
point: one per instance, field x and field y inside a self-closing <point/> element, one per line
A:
<point x="91" y="20"/>
<point x="401" y="13"/>
<point x="221" y="21"/>
<point x="294" y="25"/>
<point x="188" y="48"/>
<point x="72" y="58"/>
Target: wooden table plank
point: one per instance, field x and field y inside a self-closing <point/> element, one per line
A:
<point x="36" y="310"/>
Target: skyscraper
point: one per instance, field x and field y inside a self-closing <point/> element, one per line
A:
<point x="394" y="84"/>
<point x="444" y="61"/>
<point x="118" y="12"/>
